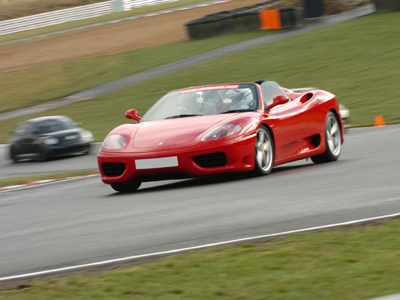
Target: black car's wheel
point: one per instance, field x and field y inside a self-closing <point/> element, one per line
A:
<point x="13" y="154"/>
<point x="87" y="150"/>
<point x="126" y="187"/>
<point x="333" y="140"/>
<point x="41" y="155"/>
<point x="263" y="152"/>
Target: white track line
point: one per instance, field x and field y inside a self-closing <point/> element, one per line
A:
<point x="175" y="251"/>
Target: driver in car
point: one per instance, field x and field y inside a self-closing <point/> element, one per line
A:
<point x="212" y="96"/>
<point x="193" y="103"/>
<point x="240" y="98"/>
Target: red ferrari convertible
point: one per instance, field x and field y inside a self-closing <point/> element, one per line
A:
<point x="221" y="128"/>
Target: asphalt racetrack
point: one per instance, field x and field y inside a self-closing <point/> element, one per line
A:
<point x="57" y="165"/>
<point x="83" y="221"/>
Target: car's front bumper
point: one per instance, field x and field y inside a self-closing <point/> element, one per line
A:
<point x="239" y="154"/>
<point x="69" y="149"/>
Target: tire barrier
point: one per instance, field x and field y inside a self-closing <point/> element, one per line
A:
<point x="291" y="17"/>
<point x="312" y="8"/>
<point x="385" y="5"/>
<point x="235" y="20"/>
<point x="244" y="19"/>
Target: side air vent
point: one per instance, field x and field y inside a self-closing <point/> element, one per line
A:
<point x="113" y="169"/>
<point x="211" y="160"/>
<point x="306" y="97"/>
<point x="316" y="140"/>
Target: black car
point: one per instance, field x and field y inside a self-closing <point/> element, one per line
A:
<point x="47" y="137"/>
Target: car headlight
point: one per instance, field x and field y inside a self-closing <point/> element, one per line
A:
<point x="51" y="141"/>
<point x="114" y="141"/>
<point x="221" y="131"/>
<point x="87" y="136"/>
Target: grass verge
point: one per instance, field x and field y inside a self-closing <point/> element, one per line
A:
<point x="33" y="178"/>
<point x="72" y="24"/>
<point x="357" y="60"/>
<point x="61" y="79"/>
<point x="346" y="263"/>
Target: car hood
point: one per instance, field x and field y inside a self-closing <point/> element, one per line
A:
<point x="64" y="133"/>
<point x="162" y="134"/>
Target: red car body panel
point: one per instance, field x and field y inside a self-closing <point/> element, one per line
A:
<point x="295" y="128"/>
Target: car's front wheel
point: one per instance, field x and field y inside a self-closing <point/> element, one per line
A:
<point x="333" y="140"/>
<point x="263" y="152"/>
<point x="41" y="155"/>
<point x="126" y="187"/>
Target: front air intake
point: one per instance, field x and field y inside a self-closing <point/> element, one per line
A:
<point x="113" y="169"/>
<point x="211" y="160"/>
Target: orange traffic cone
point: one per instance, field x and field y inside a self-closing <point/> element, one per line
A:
<point x="379" y="121"/>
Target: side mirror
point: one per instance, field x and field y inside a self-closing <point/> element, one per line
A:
<point x="278" y="100"/>
<point x="132" y="114"/>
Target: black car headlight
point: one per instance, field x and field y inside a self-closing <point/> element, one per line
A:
<point x="86" y="136"/>
<point x="51" y="141"/>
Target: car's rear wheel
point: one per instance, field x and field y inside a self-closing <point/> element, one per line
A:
<point x="263" y="152"/>
<point x="333" y="140"/>
<point x="126" y="187"/>
<point x="13" y="154"/>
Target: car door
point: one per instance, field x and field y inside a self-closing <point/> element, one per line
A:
<point x="291" y="122"/>
<point x="291" y="128"/>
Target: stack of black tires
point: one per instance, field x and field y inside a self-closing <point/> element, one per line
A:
<point x="291" y="17"/>
<point x="240" y="19"/>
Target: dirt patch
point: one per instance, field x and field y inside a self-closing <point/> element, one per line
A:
<point x="332" y="7"/>
<point x="108" y="39"/>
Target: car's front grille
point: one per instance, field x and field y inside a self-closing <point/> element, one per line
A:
<point x="113" y="169"/>
<point x="211" y="160"/>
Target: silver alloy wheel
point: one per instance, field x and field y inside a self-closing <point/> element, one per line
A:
<point x="333" y="138"/>
<point x="263" y="150"/>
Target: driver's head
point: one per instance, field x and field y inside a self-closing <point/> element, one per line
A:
<point x="235" y="95"/>
<point x="212" y="96"/>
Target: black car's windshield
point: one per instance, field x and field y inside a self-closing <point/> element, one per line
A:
<point x="53" y="125"/>
<point x="206" y="100"/>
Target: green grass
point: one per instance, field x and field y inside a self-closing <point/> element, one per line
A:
<point x="348" y="263"/>
<point x="27" y="179"/>
<point x="357" y="60"/>
<point x="133" y="12"/>
<point x="61" y="79"/>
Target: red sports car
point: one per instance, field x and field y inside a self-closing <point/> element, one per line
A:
<point x="221" y="128"/>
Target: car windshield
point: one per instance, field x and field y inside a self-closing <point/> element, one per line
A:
<point x="270" y="89"/>
<point x="53" y="125"/>
<point x="206" y="100"/>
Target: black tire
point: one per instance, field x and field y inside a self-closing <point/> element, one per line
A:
<point x="333" y="140"/>
<point x="126" y="187"/>
<point x="263" y="152"/>
<point x="87" y="151"/>
<point x="41" y="155"/>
